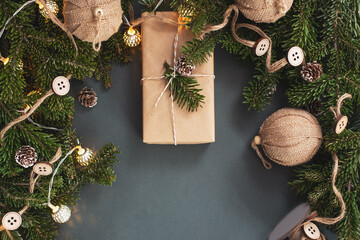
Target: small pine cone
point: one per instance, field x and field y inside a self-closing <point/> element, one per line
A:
<point x="315" y="108"/>
<point x="184" y="67"/>
<point x="87" y="97"/>
<point x="26" y="156"/>
<point x="271" y="90"/>
<point x="311" y="71"/>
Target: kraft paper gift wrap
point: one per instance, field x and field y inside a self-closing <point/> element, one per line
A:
<point x="157" y="47"/>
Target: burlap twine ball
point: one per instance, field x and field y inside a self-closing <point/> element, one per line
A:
<point x="264" y="11"/>
<point x="289" y="137"/>
<point x="82" y="18"/>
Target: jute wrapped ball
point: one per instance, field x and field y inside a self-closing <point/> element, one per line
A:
<point x="93" y="19"/>
<point x="289" y="137"/>
<point x="264" y="11"/>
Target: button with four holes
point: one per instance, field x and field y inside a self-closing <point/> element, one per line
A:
<point x="61" y="85"/>
<point x="311" y="230"/>
<point x="295" y="56"/>
<point x="340" y="124"/>
<point x="262" y="46"/>
<point x="43" y="168"/>
<point x="11" y="221"/>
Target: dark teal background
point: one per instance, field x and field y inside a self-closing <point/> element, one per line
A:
<point x="217" y="191"/>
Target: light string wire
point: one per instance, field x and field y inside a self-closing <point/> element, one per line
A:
<point x="54" y="173"/>
<point x="38" y="124"/>
<point x="14" y="14"/>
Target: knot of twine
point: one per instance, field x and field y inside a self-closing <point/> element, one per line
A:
<point x="337" y="110"/>
<point x="97" y="41"/>
<point x="282" y="6"/>
<point x="271" y="67"/>
<point x="169" y="85"/>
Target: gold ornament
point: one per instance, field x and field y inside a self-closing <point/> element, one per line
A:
<point x="4" y="60"/>
<point x="60" y="214"/>
<point x="51" y="4"/>
<point x="84" y="156"/>
<point x="132" y="37"/>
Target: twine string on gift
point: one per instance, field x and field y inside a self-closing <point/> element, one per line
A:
<point x="173" y="76"/>
<point x="337" y="110"/>
<point x="271" y="67"/>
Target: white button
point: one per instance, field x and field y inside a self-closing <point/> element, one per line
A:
<point x="295" y="56"/>
<point x="61" y="85"/>
<point x="341" y="124"/>
<point x="262" y="46"/>
<point x="312" y="231"/>
<point x="43" y="168"/>
<point x="11" y="221"/>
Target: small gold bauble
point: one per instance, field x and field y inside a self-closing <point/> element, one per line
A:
<point x="132" y="37"/>
<point x="84" y="156"/>
<point x="61" y="214"/>
<point x="53" y="7"/>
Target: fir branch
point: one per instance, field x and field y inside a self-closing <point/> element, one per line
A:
<point x="184" y="89"/>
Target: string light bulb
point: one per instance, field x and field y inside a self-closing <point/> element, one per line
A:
<point x="132" y="37"/>
<point x="60" y="214"/>
<point x="4" y="60"/>
<point x="51" y="4"/>
<point x="84" y="156"/>
<point x="186" y="11"/>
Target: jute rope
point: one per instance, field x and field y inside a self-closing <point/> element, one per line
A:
<point x="271" y="67"/>
<point x="97" y="41"/>
<point x="324" y="220"/>
<point x="56" y="21"/>
<point x="336" y="110"/>
<point x="26" y="115"/>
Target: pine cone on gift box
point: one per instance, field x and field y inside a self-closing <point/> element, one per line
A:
<point x="26" y="156"/>
<point x="184" y="67"/>
<point x="311" y="71"/>
<point x="87" y="97"/>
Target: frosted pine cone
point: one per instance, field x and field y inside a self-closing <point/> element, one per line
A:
<point x="26" y="156"/>
<point x="87" y="97"/>
<point x="311" y="71"/>
<point x="184" y="67"/>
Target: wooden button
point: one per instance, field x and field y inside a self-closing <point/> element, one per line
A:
<point x="295" y="56"/>
<point x="11" y="221"/>
<point x="340" y="124"/>
<point x="61" y="85"/>
<point x="312" y="231"/>
<point x="43" y="168"/>
<point x="262" y="46"/>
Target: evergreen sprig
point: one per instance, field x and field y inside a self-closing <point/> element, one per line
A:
<point x="185" y="90"/>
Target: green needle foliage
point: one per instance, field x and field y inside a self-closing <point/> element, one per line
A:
<point x="329" y="32"/>
<point x="39" y="51"/>
<point x="185" y="90"/>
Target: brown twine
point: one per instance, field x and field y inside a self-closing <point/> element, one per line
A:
<point x="336" y="110"/>
<point x="56" y="21"/>
<point x="97" y="41"/>
<point x="266" y="163"/>
<point x="271" y="67"/>
<point x="324" y="220"/>
<point x="26" y="115"/>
